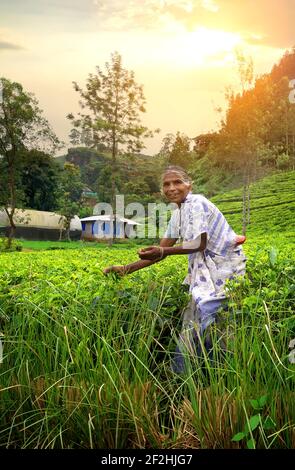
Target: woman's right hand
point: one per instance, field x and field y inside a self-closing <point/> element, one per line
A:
<point x="120" y="270"/>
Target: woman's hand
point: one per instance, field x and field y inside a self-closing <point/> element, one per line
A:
<point x="120" y="270"/>
<point x="151" y="252"/>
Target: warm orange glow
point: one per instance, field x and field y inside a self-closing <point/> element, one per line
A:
<point x="204" y="45"/>
<point x="182" y="52"/>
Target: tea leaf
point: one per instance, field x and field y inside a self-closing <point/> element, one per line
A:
<point x="251" y="444"/>
<point x="262" y="401"/>
<point x="253" y="423"/>
<point x="238" y="437"/>
<point x="269" y="423"/>
<point x="255" y="404"/>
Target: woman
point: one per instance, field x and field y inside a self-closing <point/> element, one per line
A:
<point x="214" y="255"/>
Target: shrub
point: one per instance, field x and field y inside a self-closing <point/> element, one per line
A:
<point x="4" y="245"/>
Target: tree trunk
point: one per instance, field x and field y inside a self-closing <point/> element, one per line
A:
<point x="12" y="227"/>
<point x="248" y="202"/>
<point x="12" y="202"/>
<point x="244" y="202"/>
<point x="113" y="187"/>
<point x="68" y="237"/>
<point x="244" y="210"/>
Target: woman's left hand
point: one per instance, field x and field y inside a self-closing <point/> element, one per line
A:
<point x="120" y="270"/>
<point x="151" y="252"/>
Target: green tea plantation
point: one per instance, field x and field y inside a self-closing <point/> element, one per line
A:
<point x="85" y="358"/>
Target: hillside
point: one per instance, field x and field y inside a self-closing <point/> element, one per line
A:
<point x="136" y="176"/>
<point x="60" y="159"/>
<point x="272" y="204"/>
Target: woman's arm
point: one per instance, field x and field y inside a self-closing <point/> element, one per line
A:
<point x="142" y="263"/>
<point x="153" y="252"/>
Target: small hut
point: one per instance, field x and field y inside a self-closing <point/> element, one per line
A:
<point x="99" y="227"/>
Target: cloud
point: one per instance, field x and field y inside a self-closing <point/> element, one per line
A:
<point x="210" y="5"/>
<point x="151" y="14"/>
<point x="263" y="22"/>
<point x="9" y="45"/>
<point x="45" y="7"/>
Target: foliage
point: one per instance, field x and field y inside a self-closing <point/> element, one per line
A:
<point x="176" y="150"/>
<point x="115" y="102"/>
<point x="285" y="67"/>
<point x="137" y="177"/>
<point x="86" y="358"/>
<point x="256" y="421"/>
<point x="9" y="246"/>
<point x="40" y="176"/>
<point x="69" y="202"/>
<point x="104" y="346"/>
<point x="257" y="133"/>
<point x="90" y="161"/>
<point x="272" y="204"/>
<point x="22" y="127"/>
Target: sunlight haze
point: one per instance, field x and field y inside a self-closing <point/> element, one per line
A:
<point x="182" y="52"/>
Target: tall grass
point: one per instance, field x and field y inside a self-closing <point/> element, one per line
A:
<point x="97" y="373"/>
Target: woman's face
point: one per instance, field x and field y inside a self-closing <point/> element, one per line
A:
<point x="174" y="188"/>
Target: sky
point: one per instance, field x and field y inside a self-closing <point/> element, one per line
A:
<point x="181" y="51"/>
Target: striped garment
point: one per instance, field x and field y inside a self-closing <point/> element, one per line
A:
<point x="207" y="270"/>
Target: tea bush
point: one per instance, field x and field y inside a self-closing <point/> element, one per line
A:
<point x="86" y="358"/>
<point x="15" y="245"/>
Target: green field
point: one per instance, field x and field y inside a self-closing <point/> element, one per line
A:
<point x="64" y="245"/>
<point x="86" y="358"/>
<point x="272" y="204"/>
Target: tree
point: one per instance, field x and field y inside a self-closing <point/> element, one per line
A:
<point x="285" y="67"/>
<point x="241" y="137"/>
<point x="202" y="143"/>
<point x="176" y="150"/>
<point x="90" y="161"/>
<point x="69" y="203"/>
<point x="242" y="131"/>
<point x="40" y="180"/>
<point x="257" y="134"/>
<point x="114" y="103"/>
<point x="22" y="127"/>
<point x="283" y="119"/>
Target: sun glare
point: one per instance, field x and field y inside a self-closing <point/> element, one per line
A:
<point x="204" y="46"/>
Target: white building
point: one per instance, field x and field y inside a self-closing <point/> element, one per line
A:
<point x="39" y="225"/>
<point x="99" y="227"/>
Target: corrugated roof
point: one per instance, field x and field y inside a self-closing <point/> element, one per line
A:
<point x="107" y="219"/>
<point x="38" y="219"/>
